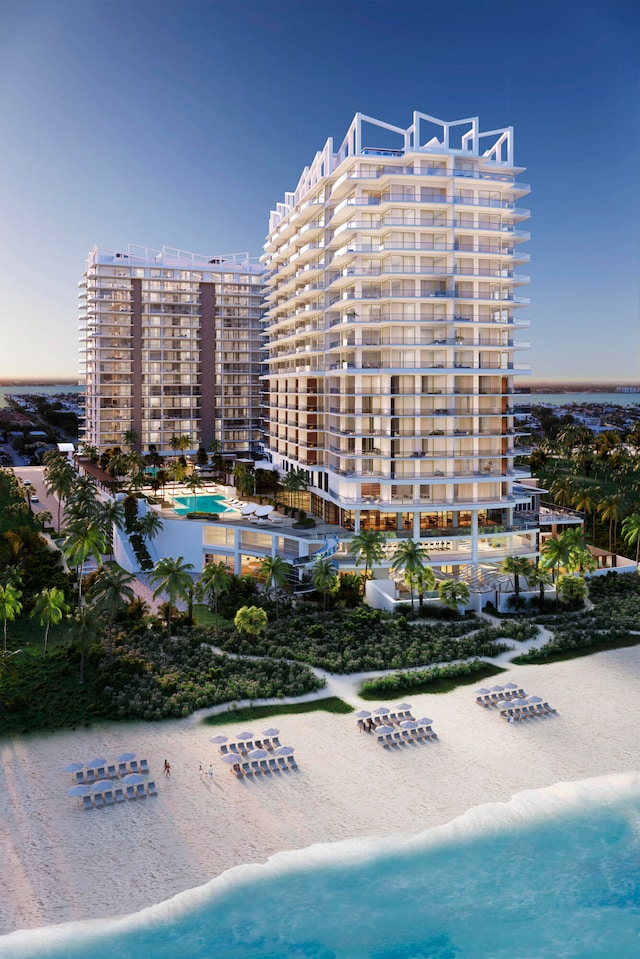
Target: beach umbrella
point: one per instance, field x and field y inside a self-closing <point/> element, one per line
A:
<point x="403" y="706"/>
<point x="425" y="721"/>
<point x="73" y="767"/>
<point x="263" y="510"/>
<point x="409" y="724"/>
<point x="534" y="699"/>
<point x="482" y="692"/>
<point x="272" y="731"/>
<point x="231" y="758"/>
<point x="79" y="790"/>
<point x="249" y="509"/>
<point x="382" y="710"/>
<point x="101" y="785"/>
<point x="258" y="754"/>
<point x="132" y="779"/>
<point x="510" y="686"/>
<point x="518" y="702"/>
<point x="219" y="739"/>
<point x="383" y="730"/>
<point x="245" y="735"/>
<point x="125" y="757"/>
<point x="497" y="689"/>
<point x="507" y="704"/>
<point x="92" y="763"/>
<point x="363" y="714"/>
<point x="284" y="751"/>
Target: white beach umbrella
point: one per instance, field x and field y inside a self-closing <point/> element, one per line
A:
<point x="263" y="510"/>
<point x="248" y="509"/>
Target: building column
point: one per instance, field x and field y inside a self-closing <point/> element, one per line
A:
<point x="474" y="536"/>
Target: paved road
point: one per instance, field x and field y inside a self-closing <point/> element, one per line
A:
<point x="45" y="501"/>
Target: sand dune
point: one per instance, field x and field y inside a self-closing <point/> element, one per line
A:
<point x="61" y="863"/>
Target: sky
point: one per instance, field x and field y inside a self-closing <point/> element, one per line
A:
<point x="184" y="123"/>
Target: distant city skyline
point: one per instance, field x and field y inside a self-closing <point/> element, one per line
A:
<point x="185" y="127"/>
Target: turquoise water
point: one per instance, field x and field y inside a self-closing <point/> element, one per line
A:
<point x="206" y="503"/>
<point x="554" y="874"/>
<point x="563" y="399"/>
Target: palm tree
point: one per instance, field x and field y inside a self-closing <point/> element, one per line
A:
<point x="173" y="577"/>
<point x="58" y="478"/>
<point x="82" y="542"/>
<point x="215" y="580"/>
<point x="194" y="482"/>
<point x="563" y="491"/>
<point x="324" y="578"/>
<point x="571" y="588"/>
<point x="573" y="539"/>
<point x="453" y="593"/>
<point x="84" y="629"/>
<point x="554" y="555"/>
<point x="586" y="499"/>
<point x="10" y="606"/>
<point x="410" y="557"/>
<point x="296" y="482"/>
<point x="423" y="580"/>
<point x="368" y="544"/>
<point x="516" y="566"/>
<point x="111" y="594"/>
<point x="149" y="525"/>
<point x="83" y="500"/>
<point x="631" y="532"/>
<point x="130" y="438"/>
<point x="540" y="577"/>
<point x="50" y="606"/>
<point x="612" y="508"/>
<point x="7" y="665"/>
<point x="110" y="513"/>
<point x="90" y="452"/>
<point x="177" y="472"/>
<point x="251" y="620"/>
<point x="276" y="573"/>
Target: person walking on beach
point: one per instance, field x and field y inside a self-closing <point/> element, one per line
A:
<point x="210" y="772"/>
<point x="201" y="772"/>
<point x="167" y="768"/>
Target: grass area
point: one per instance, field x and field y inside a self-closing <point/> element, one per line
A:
<point x="204" y="616"/>
<point x="560" y="655"/>
<point x="440" y="684"/>
<point x="332" y="704"/>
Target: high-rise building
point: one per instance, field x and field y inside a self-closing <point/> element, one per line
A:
<point x="170" y="346"/>
<point x="393" y="302"/>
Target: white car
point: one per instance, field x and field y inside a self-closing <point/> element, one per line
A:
<point x="34" y="499"/>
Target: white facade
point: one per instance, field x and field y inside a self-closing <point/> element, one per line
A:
<point x="394" y="301"/>
<point x="170" y="346"/>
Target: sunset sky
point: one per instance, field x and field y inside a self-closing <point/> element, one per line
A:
<point x="184" y="123"/>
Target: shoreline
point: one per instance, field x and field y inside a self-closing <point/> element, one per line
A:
<point x="65" y="864"/>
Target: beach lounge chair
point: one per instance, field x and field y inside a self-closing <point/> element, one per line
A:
<point x="394" y="717"/>
<point x="282" y="763"/>
<point x="236" y="771"/>
<point x="119" y="794"/>
<point x="122" y="769"/>
<point x="255" y="767"/>
<point x="111" y="772"/>
<point x="396" y="739"/>
<point x="406" y="736"/>
<point x="133" y="766"/>
<point x="151" y="789"/>
<point x="264" y="766"/>
<point x="141" y="792"/>
<point x="246" y="769"/>
<point x="87" y="802"/>
<point x="258" y="744"/>
<point x="144" y="766"/>
<point x="267" y="744"/>
<point x="108" y="797"/>
<point x="223" y="750"/>
<point x="292" y="762"/>
<point x="98" y="800"/>
<point x="101" y="772"/>
<point x="131" y="793"/>
<point x="273" y="766"/>
<point x="275" y="742"/>
<point x="549" y="708"/>
<point x="91" y="776"/>
<point x="519" y="694"/>
<point x="80" y="777"/>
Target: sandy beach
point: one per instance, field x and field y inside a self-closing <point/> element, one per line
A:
<point x="61" y="863"/>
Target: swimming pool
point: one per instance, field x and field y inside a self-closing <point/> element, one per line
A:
<point x="204" y="503"/>
<point x="554" y="872"/>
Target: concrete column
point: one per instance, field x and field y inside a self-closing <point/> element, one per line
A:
<point x="474" y="536"/>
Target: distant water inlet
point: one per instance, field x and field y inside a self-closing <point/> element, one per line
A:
<point x="206" y="503"/>
<point x="553" y="873"/>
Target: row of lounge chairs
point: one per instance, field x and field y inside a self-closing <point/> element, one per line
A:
<point x="244" y="746"/>
<point x="260" y="767"/>
<point x="404" y="737"/>
<point x="530" y="711"/>
<point x="385" y="719"/>
<point x="112" y="796"/>
<point x="493" y="698"/>
<point x="113" y="771"/>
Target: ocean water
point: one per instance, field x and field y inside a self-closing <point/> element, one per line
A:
<point x="553" y="874"/>
<point x="563" y="399"/>
<point x="49" y="389"/>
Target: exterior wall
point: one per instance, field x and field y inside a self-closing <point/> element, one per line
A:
<point x="393" y="312"/>
<point x="170" y="346"/>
